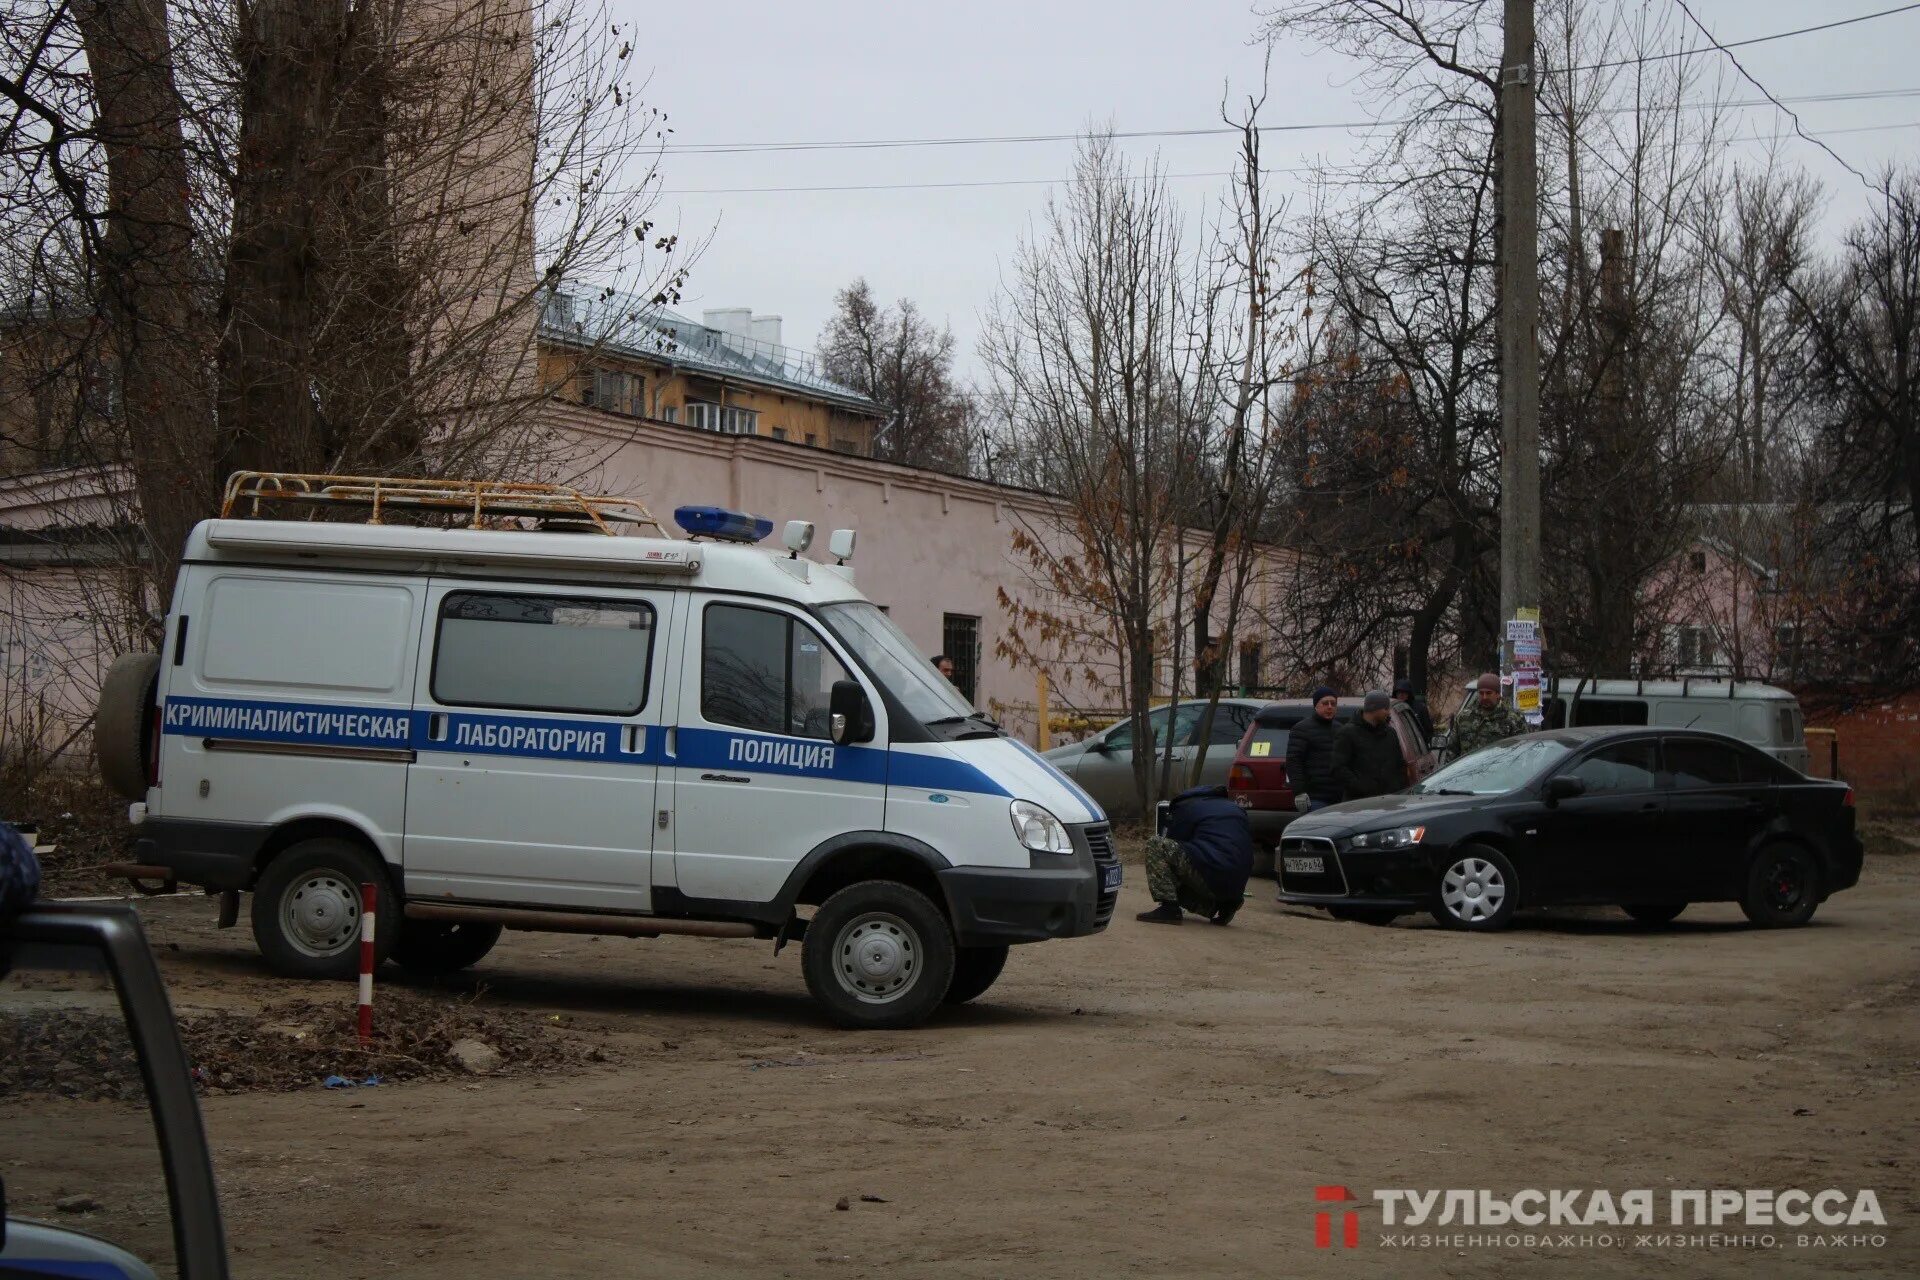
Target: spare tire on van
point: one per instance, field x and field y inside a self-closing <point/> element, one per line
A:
<point x="125" y="722"/>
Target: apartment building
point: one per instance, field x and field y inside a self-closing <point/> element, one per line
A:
<point x="729" y="372"/>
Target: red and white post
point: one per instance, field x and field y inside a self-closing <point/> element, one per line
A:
<point x="366" y="963"/>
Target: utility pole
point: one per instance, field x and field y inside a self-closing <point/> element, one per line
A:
<point x="1519" y="308"/>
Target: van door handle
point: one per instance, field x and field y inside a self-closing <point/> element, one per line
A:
<point x="723" y="777"/>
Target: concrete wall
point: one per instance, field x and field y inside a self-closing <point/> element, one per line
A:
<point x="929" y="545"/>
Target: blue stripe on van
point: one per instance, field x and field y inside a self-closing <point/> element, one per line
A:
<point x="731" y="752"/>
<point x="319" y="723"/>
<point x="1093" y="806"/>
<point x="556" y="738"/>
<point x="939" y="773"/>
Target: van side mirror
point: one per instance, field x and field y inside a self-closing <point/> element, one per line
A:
<point x="849" y="714"/>
<point x="1564" y="787"/>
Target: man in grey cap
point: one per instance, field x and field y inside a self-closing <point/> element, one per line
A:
<point x="1485" y="720"/>
<point x="1367" y="760"/>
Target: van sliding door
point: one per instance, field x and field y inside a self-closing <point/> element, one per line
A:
<point x="536" y="772"/>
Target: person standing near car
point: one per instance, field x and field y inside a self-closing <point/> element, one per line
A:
<point x="1486" y="720"/>
<point x="1310" y="755"/>
<point x="1403" y="692"/>
<point x="1202" y="862"/>
<point x="1367" y="760"/>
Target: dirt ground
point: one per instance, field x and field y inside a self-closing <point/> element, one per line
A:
<point x="1151" y="1101"/>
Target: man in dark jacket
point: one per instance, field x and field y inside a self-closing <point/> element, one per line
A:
<point x="1310" y="755"/>
<point x="1403" y="692"/>
<point x="1367" y="760"/>
<point x="1202" y="862"/>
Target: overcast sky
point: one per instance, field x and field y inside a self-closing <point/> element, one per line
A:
<point x="841" y="71"/>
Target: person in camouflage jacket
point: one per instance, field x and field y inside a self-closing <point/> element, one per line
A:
<point x="1485" y="720"/>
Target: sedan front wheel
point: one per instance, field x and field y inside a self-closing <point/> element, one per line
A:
<point x="1476" y="890"/>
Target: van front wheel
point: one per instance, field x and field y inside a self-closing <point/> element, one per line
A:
<point x="878" y="955"/>
<point x="306" y="909"/>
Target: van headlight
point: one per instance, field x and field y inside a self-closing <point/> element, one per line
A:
<point x="1392" y="838"/>
<point x="1039" y="830"/>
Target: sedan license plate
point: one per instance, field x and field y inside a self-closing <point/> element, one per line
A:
<point x="1110" y="878"/>
<point x="1304" y="866"/>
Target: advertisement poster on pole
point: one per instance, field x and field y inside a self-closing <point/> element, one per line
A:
<point x="1526" y="695"/>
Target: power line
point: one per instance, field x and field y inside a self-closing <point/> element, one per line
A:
<point x="1048" y="182"/>
<point x="1737" y="44"/>
<point x="1303" y="127"/>
<point x="876" y="144"/>
<point x="1748" y="76"/>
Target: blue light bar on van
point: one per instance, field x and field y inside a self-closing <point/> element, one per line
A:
<point x="718" y="522"/>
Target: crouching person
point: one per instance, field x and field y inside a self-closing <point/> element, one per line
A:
<point x="1202" y="862"/>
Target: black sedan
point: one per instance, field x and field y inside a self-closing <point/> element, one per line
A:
<point x="1649" y="820"/>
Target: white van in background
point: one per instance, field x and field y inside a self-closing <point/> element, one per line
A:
<point x="1762" y="714"/>
<point x="585" y="733"/>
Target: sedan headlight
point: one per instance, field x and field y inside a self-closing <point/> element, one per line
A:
<point x="1392" y="838"/>
<point x="1039" y="830"/>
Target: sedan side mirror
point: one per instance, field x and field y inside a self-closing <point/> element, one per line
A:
<point x="1098" y="746"/>
<point x="1564" y="787"/>
<point x="850" y="715"/>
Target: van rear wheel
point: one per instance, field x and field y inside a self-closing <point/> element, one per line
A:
<point x="443" y="946"/>
<point x="306" y="909"/>
<point x="878" y="955"/>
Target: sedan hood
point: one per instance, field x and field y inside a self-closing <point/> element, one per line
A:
<point x="1378" y="811"/>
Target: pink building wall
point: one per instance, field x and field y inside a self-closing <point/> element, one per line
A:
<point x="929" y="545"/>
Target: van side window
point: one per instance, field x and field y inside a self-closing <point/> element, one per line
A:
<point x="765" y="671"/>
<point x="1609" y="711"/>
<point x="543" y="653"/>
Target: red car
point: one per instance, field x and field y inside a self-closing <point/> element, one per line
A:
<point x="1258" y="778"/>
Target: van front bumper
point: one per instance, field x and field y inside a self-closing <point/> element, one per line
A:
<point x="1056" y="897"/>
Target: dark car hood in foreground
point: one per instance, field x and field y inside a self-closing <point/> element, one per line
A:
<point x="1351" y="816"/>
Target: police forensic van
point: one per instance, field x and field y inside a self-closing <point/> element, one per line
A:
<point x="530" y="728"/>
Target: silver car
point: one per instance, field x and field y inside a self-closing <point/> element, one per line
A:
<point x="1103" y="764"/>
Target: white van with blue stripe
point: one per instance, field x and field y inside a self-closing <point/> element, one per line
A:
<point x="529" y="729"/>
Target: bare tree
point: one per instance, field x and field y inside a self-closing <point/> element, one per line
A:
<point x="1860" y="587"/>
<point x="1629" y="429"/>
<point x="896" y="356"/>
<point x="1252" y="346"/>
<point x="1396" y="470"/>
<point x="301" y="236"/>
<point x="1758" y="233"/>
<point x="1092" y="359"/>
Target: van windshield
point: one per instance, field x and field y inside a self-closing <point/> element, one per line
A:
<point x="906" y="672"/>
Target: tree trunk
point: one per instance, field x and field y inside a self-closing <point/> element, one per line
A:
<point x="149" y="291"/>
<point x="268" y="417"/>
<point x="370" y="412"/>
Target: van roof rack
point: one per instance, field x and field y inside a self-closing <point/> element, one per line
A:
<point x="1686" y="682"/>
<point x="480" y="504"/>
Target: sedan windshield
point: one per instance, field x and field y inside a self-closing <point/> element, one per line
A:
<point x="927" y="695"/>
<point x="1495" y="770"/>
